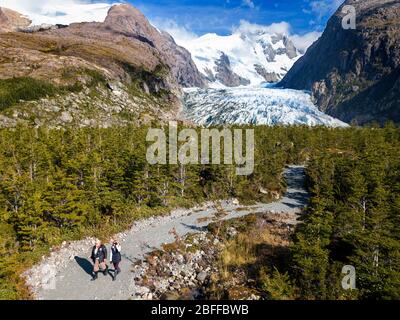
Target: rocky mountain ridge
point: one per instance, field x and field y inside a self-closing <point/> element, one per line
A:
<point x="124" y="52"/>
<point x="358" y="79"/>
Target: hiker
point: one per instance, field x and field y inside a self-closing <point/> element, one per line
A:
<point x="115" y="257"/>
<point x="99" y="257"/>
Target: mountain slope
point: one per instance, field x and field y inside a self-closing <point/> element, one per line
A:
<point x="11" y="20"/>
<point x="245" y="57"/>
<point x="258" y="106"/>
<point x="129" y="69"/>
<point x="358" y="79"/>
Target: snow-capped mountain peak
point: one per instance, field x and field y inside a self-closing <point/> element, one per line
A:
<point x="246" y="57"/>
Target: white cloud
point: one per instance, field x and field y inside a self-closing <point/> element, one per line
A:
<point x="323" y="8"/>
<point x="303" y="42"/>
<point x="181" y="34"/>
<point x="247" y="27"/>
<point x="248" y="3"/>
<point x="60" y="11"/>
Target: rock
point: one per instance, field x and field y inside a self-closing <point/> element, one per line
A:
<point x="201" y="276"/>
<point x="231" y="232"/>
<point x="268" y="76"/>
<point x="275" y="195"/>
<point x="126" y="19"/>
<point x="11" y="21"/>
<point x="358" y="80"/>
<point x="180" y="258"/>
<point x="290" y="49"/>
<point x="225" y="74"/>
<point x="38" y="28"/>
<point x="142" y="291"/>
<point x="66" y="117"/>
<point x="235" y="202"/>
<point x="269" y="52"/>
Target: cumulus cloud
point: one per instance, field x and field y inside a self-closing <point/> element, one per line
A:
<point x="60" y="11"/>
<point x="302" y="42"/>
<point x="247" y="27"/>
<point x="181" y="34"/>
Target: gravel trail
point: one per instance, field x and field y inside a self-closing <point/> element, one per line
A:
<point x="66" y="275"/>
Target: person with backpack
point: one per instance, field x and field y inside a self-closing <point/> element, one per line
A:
<point x="99" y="258"/>
<point x="115" y="257"/>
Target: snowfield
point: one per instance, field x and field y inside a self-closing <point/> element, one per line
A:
<point x="245" y="50"/>
<point x="253" y="105"/>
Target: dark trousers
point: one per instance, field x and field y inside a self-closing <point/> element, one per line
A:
<point x="116" y="266"/>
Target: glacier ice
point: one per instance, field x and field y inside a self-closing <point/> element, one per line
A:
<point x="253" y="105"/>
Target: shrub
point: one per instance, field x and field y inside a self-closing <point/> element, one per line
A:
<point x="23" y="88"/>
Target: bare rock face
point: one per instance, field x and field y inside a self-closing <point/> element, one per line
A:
<point x="291" y="50"/>
<point x="12" y="21"/>
<point x="355" y="74"/>
<point x="269" y="51"/>
<point x="268" y="76"/>
<point x="127" y="20"/>
<point x="225" y="74"/>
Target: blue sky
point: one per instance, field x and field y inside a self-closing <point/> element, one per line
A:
<point x="186" y="18"/>
<point x="220" y="16"/>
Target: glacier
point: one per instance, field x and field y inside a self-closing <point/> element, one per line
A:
<point x="256" y="105"/>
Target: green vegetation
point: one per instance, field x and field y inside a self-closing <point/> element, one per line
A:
<point x="96" y="78"/>
<point x="149" y="85"/>
<point x="73" y="182"/>
<point x="352" y="219"/>
<point x="13" y="90"/>
<point x="65" y="184"/>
